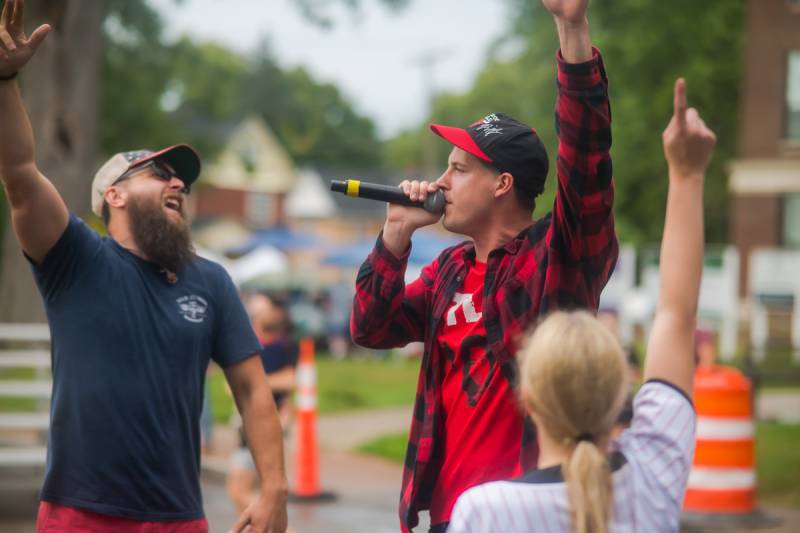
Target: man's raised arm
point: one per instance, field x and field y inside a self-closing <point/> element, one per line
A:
<point x="38" y="213"/>
<point x="582" y="239"/>
<point x="572" y="27"/>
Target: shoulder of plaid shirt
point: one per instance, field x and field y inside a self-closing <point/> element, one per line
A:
<point x="563" y="260"/>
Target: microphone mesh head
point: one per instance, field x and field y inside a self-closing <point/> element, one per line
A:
<point x="434" y="203"/>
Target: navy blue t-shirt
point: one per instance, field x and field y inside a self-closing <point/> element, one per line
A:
<point x="275" y="356"/>
<point x="130" y="352"/>
<point x="279" y="354"/>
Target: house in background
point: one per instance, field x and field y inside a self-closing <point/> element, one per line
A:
<point x="250" y="179"/>
<point x="765" y="178"/>
<point x="313" y="207"/>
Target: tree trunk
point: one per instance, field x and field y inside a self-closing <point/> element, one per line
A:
<point x="60" y="89"/>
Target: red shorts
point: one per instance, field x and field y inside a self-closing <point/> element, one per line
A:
<point x="54" y="518"/>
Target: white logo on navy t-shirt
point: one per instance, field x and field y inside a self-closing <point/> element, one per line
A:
<point x="193" y="308"/>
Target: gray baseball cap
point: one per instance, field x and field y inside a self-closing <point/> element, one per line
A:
<point x="181" y="157"/>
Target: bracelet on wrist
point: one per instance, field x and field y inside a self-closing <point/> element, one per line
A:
<point x="9" y="77"/>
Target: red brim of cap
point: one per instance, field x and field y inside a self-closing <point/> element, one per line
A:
<point x="183" y="159"/>
<point x="460" y="138"/>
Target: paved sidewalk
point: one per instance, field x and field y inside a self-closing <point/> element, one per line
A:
<point x="367" y="488"/>
<point x="346" y="431"/>
<point x="779" y="406"/>
<point x="367" y="492"/>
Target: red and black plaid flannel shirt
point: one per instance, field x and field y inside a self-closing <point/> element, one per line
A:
<point x="561" y="261"/>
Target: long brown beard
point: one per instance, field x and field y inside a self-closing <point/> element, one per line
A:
<point x="164" y="241"/>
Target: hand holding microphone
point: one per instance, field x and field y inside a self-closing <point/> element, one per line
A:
<point x="433" y="202"/>
<point x="401" y="221"/>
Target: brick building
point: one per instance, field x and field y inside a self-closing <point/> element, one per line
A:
<point x="765" y="177"/>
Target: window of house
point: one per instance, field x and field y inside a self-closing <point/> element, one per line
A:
<point x="259" y="209"/>
<point x="791" y="220"/>
<point x="793" y="96"/>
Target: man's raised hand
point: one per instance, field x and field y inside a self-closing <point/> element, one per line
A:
<point x="15" y="47"/>
<point x="688" y="142"/>
<point x="570" y="11"/>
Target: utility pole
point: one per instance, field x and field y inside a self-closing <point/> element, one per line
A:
<point x="426" y="63"/>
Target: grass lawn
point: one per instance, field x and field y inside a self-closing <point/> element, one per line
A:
<point x="344" y="385"/>
<point x="14" y="403"/>
<point x="777" y="455"/>
<point x="392" y="447"/>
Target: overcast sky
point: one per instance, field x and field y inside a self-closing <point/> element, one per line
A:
<point x="373" y="55"/>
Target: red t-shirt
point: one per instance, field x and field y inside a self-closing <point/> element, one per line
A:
<point x="482" y="424"/>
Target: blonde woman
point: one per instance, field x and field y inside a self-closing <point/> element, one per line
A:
<point x="573" y="382"/>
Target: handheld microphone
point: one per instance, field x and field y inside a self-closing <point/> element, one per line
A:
<point x="434" y="202"/>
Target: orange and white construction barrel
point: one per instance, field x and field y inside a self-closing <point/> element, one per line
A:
<point x="722" y="482"/>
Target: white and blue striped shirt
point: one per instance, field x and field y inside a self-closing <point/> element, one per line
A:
<point x="650" y="464"/>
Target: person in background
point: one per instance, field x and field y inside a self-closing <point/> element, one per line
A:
<point x="279" y="355"/>
<point x="574" y="380"/>
<point x="705" y="345"/>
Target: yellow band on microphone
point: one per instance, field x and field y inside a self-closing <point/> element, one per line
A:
<point x="352" y="187"/>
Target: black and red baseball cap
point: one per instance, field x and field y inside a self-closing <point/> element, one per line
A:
<point x="506" y="144"/>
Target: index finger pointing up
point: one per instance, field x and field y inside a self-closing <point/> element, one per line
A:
<point x="679" y="101"/>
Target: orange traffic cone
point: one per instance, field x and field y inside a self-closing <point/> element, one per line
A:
<point x="306" y="487"/>
<point x="722" y="482"/>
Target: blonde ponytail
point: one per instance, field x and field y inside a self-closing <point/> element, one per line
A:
<point x="573" y="378"/>
<point x="588" y="478"/>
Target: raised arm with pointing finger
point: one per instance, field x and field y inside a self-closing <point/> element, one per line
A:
<point x="688" y="144"/>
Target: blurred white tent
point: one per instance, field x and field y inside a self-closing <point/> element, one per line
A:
<point x="718" y="306"/>
<point x="262" y="261"/>
<point x="205" y="253"/>
<point x="619" y="289"/>
<point x="310" y="198"/>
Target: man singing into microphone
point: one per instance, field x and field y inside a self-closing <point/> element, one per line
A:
<point x="471" y="304"/>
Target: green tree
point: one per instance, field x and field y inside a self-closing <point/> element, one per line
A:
<point x="523" y="87"/>
<point x="203" y="92"/>
<point x="660" y="42"/>
<point x="646" y="45"/>
<point x="106" y="81"/>
<point x="136" y="69"/>
<point x="313" y="120"/>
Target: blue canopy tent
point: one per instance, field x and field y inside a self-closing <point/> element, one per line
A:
<point x="425" y="247"/>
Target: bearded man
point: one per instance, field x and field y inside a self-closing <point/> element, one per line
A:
<point x="134" y="319"/>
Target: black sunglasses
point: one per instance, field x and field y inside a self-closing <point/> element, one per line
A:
<point x="158" y="168"/>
